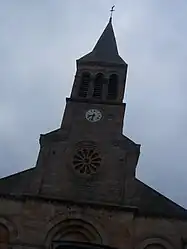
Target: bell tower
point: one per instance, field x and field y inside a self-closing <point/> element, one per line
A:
<point x="88" y="158"/>
<point x="99" y="83"/>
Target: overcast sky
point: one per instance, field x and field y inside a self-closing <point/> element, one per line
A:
<point x="39" y="43"/>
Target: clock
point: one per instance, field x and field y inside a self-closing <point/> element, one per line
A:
<point x="93" y="115"/>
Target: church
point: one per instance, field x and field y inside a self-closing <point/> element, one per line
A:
<point x="83" y="192"/>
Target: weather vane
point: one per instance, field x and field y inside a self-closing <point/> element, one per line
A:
<point x="112" y="9"/>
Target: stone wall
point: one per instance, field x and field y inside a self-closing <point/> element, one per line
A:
<point x="35" y="224"/>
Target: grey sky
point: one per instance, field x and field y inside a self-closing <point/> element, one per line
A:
<point x="40" y="41"/>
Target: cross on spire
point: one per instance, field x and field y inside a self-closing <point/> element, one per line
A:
<point x="111" y="11"/>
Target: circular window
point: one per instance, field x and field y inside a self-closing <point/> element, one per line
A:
<point x="86" y="161"/>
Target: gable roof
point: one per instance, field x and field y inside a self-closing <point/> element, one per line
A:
<point x="152" y="203"/>
<point x="17" y="183"/>
<point x="148" y="201"/>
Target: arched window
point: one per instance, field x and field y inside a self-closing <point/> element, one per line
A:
<point x="155" y="246"/>
<point x="84" y="85"/>
<point x="112" y="87"/>
<point x="98" y="86"/>
<point x="72" y="231"/>
<point x="4" y="237"/>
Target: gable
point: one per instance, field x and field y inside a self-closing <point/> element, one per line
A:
<point x="148" y="201"/>
<point x="152" y="203"/>
<point x="17" y="183"/>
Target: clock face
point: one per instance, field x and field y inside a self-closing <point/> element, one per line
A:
<point x="93" y="115"/>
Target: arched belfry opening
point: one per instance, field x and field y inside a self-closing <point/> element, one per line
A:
<point x="98" y="86"/>
<point x="84" y="84"/>
<point x="112" y="87"/>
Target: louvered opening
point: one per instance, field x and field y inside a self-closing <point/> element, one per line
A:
<point x="98" y="86"/>
<point x="112" y="87"/>
<point x="84" y="85"/>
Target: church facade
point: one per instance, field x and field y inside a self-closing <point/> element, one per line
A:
<point x="83" y="191"/>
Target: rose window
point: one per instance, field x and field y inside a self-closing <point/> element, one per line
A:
<point x="86" y="161"/>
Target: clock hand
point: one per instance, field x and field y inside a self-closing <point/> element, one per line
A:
<point x="92" y="116"/>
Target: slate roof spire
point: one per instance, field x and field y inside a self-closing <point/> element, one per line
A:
<point x="105" y="49"/>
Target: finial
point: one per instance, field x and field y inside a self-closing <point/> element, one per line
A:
<point x="112" y="9"/>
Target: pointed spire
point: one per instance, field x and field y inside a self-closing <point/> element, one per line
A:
<point x="105" y="49"/>
<point x="106" y="45"/>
